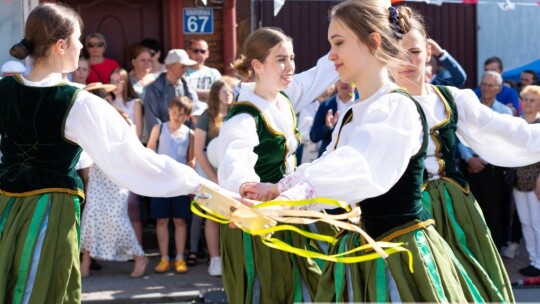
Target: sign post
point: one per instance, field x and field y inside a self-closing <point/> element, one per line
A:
<point x="198" y="20"/>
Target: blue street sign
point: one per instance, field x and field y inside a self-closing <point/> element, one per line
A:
<point x="198" y="20"/>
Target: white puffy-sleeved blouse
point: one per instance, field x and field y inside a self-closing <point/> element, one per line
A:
<point x="371" y="152"/>
<point x="238" y="136"/>
<point x="501" y="140"/>
<point x="96" y="126"/>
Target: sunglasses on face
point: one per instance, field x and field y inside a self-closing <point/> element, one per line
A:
<point x="93" y="45"/>
<point x="152" y="53"/>
<point x="196" y="51"/>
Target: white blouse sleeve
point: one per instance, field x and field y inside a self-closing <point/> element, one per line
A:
<point x="371" y="161"/>
<point x="501" y="140"/>
<point x="237" y="138"/>
<point x="308" y="85"/>
<point x="97" y="127"/>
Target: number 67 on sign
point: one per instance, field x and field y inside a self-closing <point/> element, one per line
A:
<point x="198" y="21"/>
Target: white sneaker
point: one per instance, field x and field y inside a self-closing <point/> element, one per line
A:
<point x="510" y="251"/>
<point x="215" y="267"/>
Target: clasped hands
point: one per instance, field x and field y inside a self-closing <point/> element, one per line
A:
<point x="253" y="192"/>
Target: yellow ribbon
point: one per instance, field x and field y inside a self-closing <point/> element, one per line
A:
<point x="287" y="217"/>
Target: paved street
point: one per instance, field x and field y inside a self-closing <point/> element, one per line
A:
<point x="112" y="284"/>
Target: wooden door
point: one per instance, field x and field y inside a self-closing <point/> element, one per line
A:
<point x="124" y="23"/>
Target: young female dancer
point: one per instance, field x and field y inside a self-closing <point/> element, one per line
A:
<point x="257" y="143"/>
<point x="44" y="123"/>
<point x="453" y="113"/>
<point x="375" y="159"/>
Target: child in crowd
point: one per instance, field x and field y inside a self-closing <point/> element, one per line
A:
<point x="208" y="126"/>
<point x="81" y="73"/>
<point x="173" y="138"/>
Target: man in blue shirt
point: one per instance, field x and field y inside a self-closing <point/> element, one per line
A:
<point x="328" y="113"/>
<point x="449" y="72"/>
<point x="506" y="96"/>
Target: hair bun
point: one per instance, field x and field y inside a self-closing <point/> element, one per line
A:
<point x="393" y="18"/>
<point x="21" y="50"/>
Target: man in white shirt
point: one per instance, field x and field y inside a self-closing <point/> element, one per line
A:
<point x="199" y="75"/>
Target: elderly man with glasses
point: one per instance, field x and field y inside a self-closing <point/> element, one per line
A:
<point x="199" y="75"/>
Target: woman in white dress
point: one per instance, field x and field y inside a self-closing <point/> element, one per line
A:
<point x="106" y="229"/>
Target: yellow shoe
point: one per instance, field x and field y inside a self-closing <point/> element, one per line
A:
<point x="162" y="266"/>
<point x="180" y="266"/>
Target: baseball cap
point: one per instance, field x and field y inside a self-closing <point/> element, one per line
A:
<point x="179" y="55"/>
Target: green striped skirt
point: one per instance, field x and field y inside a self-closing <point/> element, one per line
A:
<point x="39" y="254"/>
<point x="459" y="220"/>
<point x="438" y="276"/>
<point x="256" y="273"/>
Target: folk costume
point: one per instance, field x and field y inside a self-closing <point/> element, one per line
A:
<point x="387" y="187"/>
<point x="43" y="126"/>
<point x="259" y="140"/>
<point x="257" y="143"/>
<point x="501" y="140"/>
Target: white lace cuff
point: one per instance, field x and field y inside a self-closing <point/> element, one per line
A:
<point x="286" y="183"/>
<point x="300" y="191"/>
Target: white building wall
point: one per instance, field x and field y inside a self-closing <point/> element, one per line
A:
<point x="13" y="13"/>
<point x="513" y="35"/>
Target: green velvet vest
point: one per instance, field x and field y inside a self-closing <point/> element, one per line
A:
<point x="36" y="156"/>
<point x="444" y="136"/>
<point x="272" y="149"/>
<point x="402" y="203"/>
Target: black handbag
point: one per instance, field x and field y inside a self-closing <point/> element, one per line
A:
<point x="510" y="176"/>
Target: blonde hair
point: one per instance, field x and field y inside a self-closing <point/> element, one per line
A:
<point x="532" y="89"/>
<point x="258" y="46"/>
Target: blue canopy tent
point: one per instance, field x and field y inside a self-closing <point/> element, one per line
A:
<point x="514" y="74"/>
